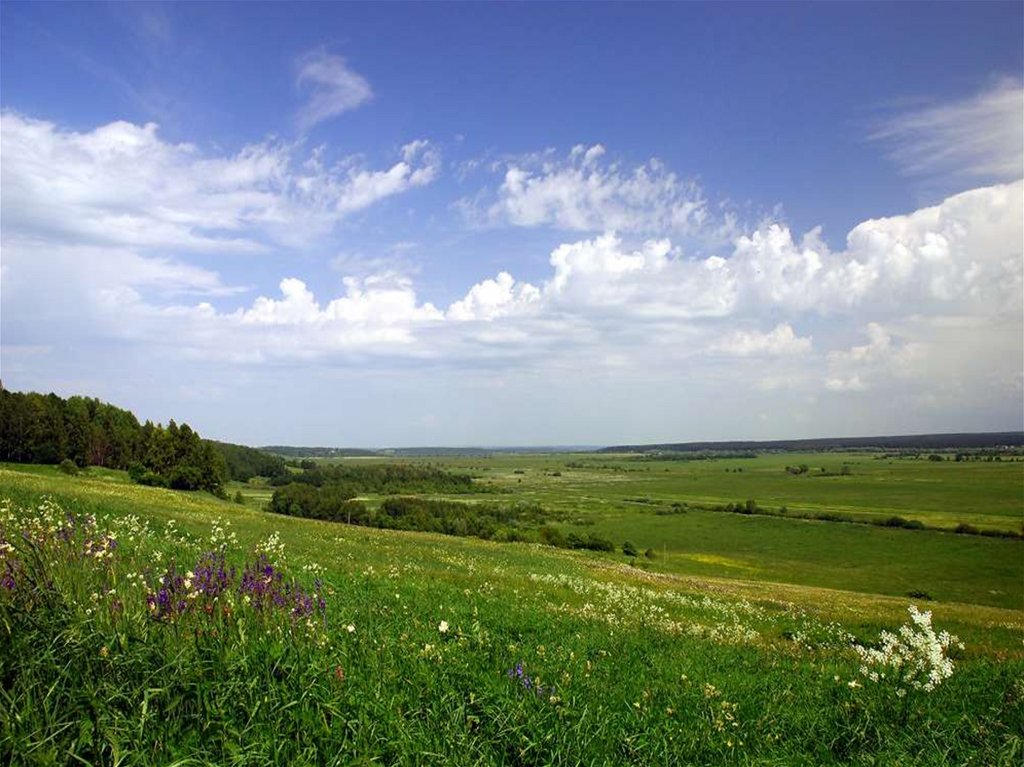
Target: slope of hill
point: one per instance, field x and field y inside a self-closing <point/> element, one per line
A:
<point x="195" y="629"/>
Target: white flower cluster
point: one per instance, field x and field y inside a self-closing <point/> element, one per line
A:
<point x="313" y="568"/>
<point x="624" y="605"/>
<point x="272" y="547"/>
<point x="915" y="656"/>
<point x="220" y="537"/>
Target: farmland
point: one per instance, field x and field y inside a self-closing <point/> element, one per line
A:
<point x="731" y="645"/>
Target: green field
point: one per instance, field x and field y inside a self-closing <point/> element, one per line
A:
<point x="943" y="494"/>
<point x="627" y="499"/>
<point x="730" y="646"/>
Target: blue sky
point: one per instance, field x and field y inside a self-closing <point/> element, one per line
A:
<point x="384" y="224"/>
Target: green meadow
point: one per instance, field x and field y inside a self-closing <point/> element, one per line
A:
<point x="942" y="494"/>
<point x="663" y="505"/>
<point x="735" y="642"/>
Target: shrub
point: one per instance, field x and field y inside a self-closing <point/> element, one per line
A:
<point x="909" y="524"/>
<point x="552" y="536"/>
<point x="833" y="516"/>
<point x="629" y="549"/>
<point x="152" y="479"/>
<point x="67" y="466"/>
<point x="591" y="542"/>
<point x="186" y="478"/>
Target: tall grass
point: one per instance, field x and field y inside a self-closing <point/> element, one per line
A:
<point x="129" y="641"/>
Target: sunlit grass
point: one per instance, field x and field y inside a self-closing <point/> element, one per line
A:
<point x="428" y="642"/>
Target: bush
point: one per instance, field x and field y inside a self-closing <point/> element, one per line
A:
<point x="909" y="524"/>
<point x="152" y="479"/>
<point x="650" y="554"/>
<point x="965" y="529"/>
<point x="591" y="543"/>
<point x="833" y="516"/>
<point x="552" y="536"/>
<point x="186" y="478"/>
<point x="629" y="549"/>
<point x="239" y="499"/>
<point x="67" y="466"/>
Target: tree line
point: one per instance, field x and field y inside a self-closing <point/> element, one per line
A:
<point x="380" y="478"/>
<point x="518" y="521"/>
<point x="335" y="503"/>
<point x="83" y="431"/>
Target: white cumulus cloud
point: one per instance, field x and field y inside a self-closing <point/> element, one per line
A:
<point x="122" y="184"/>
<point x="782" y="340"/>
<point x="585" y="193"/>
<point x="495" y="298"/>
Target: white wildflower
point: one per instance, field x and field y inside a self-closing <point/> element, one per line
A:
<point x="916" y="655"/>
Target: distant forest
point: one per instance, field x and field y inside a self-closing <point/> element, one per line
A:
<point x="379" y="479"/>
<point x="80" y="431"/>
<point x="317" y="452"/>
<point x="905" y="442"/>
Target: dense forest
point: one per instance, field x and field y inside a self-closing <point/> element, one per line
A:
<point x="380" y="478"/>
<point x="244" y="463"/>
<point x="82" y="431"/>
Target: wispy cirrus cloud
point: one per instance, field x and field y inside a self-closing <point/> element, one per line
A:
<point x="333" y="86"/>
<point x="980" y="137"/>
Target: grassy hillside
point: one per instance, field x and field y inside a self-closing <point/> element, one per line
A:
<point x="435" y="649"/>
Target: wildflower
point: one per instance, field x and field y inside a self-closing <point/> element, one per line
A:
<point x="443" y="627"/>
<point x="350" y="628"/>
<point x="104" y="651"/>
<point x="339" y="674"/>
<point x="916" y="655"/>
